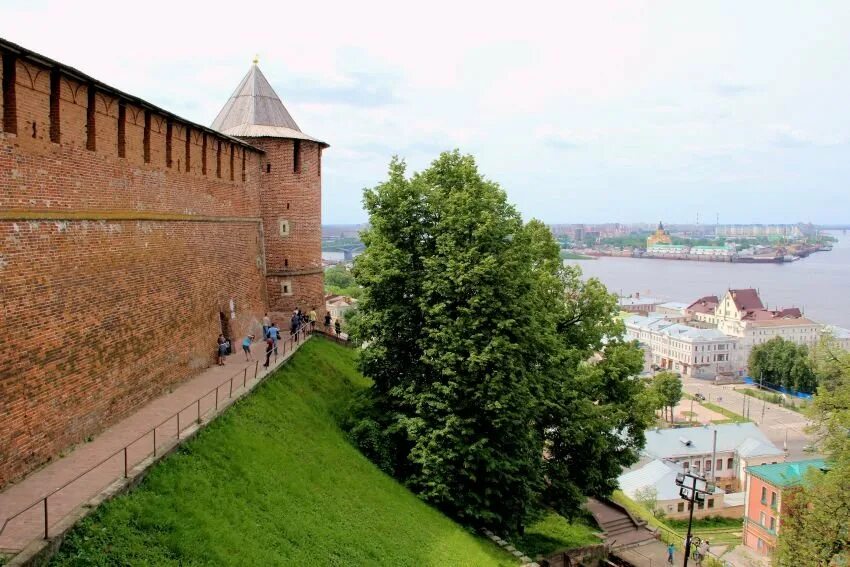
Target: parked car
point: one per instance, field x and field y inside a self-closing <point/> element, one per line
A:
<point x="699" y="397"/>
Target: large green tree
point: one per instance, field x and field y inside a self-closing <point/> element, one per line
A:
<point x="815" y="523"/>
<point x="486" y="397"/>
<point x="667" y="387"/>
<point x="780" y="362"/>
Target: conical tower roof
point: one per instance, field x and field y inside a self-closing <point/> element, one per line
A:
<point x="255" y="110"/>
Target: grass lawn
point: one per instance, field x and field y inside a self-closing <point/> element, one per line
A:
<point x="774" y="398"/>
<point x="275" y="482"/>
<point x="552" y="532"/>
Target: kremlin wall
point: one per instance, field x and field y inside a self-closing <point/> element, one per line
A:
<point x="130" y="238"/>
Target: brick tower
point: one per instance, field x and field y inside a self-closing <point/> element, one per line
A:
<point x="290" y="193"/>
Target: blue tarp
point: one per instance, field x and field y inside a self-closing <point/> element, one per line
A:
<point x="801" y="395"/>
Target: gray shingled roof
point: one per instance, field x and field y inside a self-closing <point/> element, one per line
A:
<point x="254" y="110"/>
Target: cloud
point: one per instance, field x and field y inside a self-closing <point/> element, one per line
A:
<point x="786" y="137"/>
<point x="736" y="89"/>
<point x="560" y="139"/>
<point x="355" y="88"/>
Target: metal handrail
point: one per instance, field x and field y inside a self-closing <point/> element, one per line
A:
<point x="304" y="331"/>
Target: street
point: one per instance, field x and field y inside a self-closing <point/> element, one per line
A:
<point x="785" y="428"/>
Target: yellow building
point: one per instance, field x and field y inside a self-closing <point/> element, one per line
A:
<point x="660" y="236"/>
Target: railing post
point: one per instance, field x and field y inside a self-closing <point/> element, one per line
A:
<point x="244" y="377"/>
<point x="154" y="441"/>
<point x="178" y="425"/>
<point x="230" y="395"/>
<point x="216" y="397"/>
<point x="45" y="518"/>
<point x="256" y="369"/>
<point x="199" y="410"/>
<point x="125" y="463"/>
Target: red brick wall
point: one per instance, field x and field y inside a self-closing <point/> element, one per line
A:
<point x="113" y="270"/>
<point x="294" y="195"/>
<point x="110" y="292"/>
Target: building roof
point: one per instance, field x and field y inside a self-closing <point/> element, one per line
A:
<point x="772" y="322"/>
<point x="255" y="110"/>
<point x="786" y="474"/>
<point x="639" y="301"/>
<point x="78" y="75"/>
<point x="687" y="441"/>
<point x="658" y="474"/>
<point x="674" y="305"/>
<point x="746" y="299"/>
<point x="705" y="304"/>
<point x="657" y="323"/>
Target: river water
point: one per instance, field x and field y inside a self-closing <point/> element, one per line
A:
<point x="819" y="284"/>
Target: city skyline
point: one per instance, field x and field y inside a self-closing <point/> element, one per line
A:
<point x="582" y="113"/>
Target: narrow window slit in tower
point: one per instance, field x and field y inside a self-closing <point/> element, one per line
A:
<point x="169" y="131"/>
<point x="204" y="155"/>
<point x="268" y="168"/>
<point x="122" y="129"/>
<point x="188" y="149"/>
<point x="218" y="159"/>
<point x="10" y="104"/>
<point x="243" y="165"/>
<point x="91" y="132"/>
<point x="232" y="149"/>
<point x="147" y="137"/>
<point x="55" y="88"/>
<point x="296" y="156"/>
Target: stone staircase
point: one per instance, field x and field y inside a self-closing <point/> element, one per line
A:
<point x="620" y="529"/>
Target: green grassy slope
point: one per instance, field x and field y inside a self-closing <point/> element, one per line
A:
<point x="274" y="482"/>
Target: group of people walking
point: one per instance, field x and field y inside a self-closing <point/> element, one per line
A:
<point x="272" y="334"/>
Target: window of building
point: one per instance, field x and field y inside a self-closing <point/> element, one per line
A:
<point x="286" y="287"/>
<point x="730" y="463"/>
<point x="122" y="129"/>
<point x="696" y="465"/>
<point x="296" y="156"/>
<point x="284" y="227"/>
<point x="711" y="502"/>
<point x="763" y="519"/>
<point x="764" y="495"/>
<point x="772" y="523"/>
<point x="708" y="465"/>
<point x="760" y="544"/>
<point x="773" y="499"/>
<point x="91" y="131"/>
<point x="686" y="465"/>
<point x="719" y="465"/>
<point x="680" y="507"/>
<point x="55" y="88"/>
<point x="700" y="505"/>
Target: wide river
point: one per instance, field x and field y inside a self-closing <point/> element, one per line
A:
<point x="819" y="284"/>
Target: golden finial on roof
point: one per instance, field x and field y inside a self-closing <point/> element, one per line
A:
<point x="256" y="59"/>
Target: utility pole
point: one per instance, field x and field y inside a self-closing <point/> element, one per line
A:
<point x="693" y="489"/>
<point x="713" y="456"/>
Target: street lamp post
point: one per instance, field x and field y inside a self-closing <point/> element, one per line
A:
<point x="694" y="489"/>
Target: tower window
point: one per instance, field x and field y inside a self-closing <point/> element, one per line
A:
<point x="285" y="262"/>
<point x="188" y="149"/>
<point x="122" y="129"/>
<point x="243" y="165"/>
<point x="218" y="160"/>
<point x="286" y="287"/>
<point x="232" y="150"/>
<point x="284" y="227"/>
<point x="268" y="168"/>
<point x="204" y="156"/>
<point x="146" y="140"/>
<point x="169" y="132"/>
<point x="91" y="133"/>
<point x="10" y="105"/>
<point x="296" y="156"/>
<point x="55" y="86"/>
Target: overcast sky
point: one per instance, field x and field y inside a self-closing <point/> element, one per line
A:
<point x="583" y="111"/>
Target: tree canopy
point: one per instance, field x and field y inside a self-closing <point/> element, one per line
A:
<point x="490" y="394"/>
<point x="780" y="362"/>
<point x="667" y="388"/>
<point x="815" y="523"/>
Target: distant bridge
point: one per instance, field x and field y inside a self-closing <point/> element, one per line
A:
<point x="347" y="250"/>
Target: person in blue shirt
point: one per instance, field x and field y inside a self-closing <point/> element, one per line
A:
<point x="246" y="346"/>
<point x="274" y="335"/>
<point x="670" y="549"/>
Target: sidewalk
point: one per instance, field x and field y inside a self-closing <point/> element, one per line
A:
<point x="160" y="413"/>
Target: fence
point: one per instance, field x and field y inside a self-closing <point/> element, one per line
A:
<point x="181" y="426"/>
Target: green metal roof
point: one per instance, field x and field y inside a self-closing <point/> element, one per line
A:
<point x="785" y="474"/>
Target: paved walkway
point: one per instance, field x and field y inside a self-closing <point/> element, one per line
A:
<point x="135" y="429"/>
